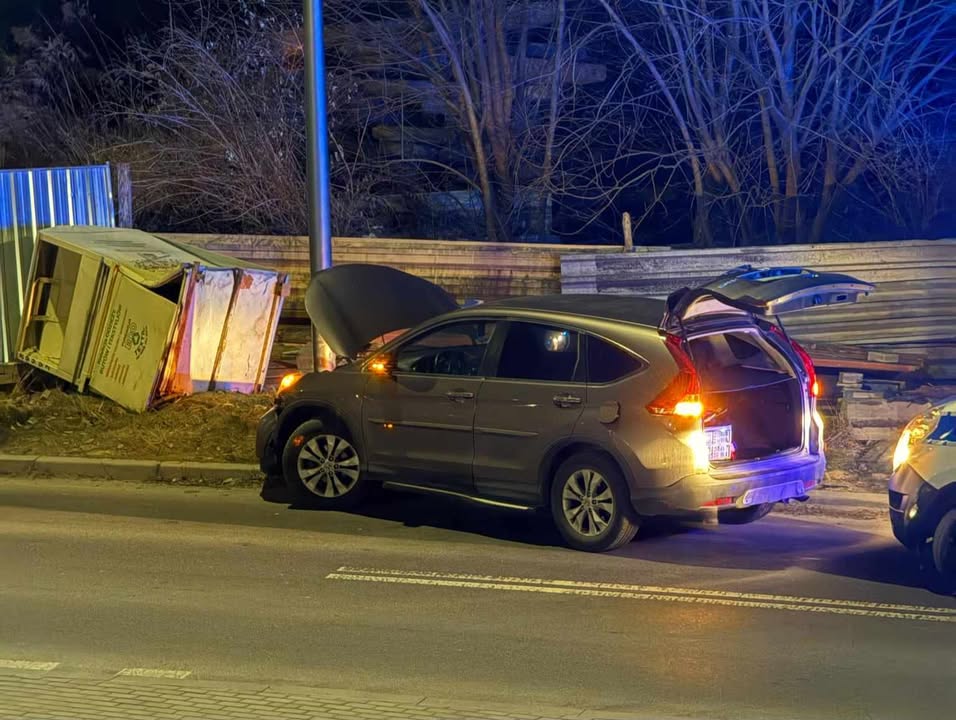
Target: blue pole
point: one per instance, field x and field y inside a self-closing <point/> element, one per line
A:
<point x="317" y="152"/>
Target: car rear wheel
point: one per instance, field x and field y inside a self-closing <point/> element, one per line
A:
<point x="322" y="467"/>
<point x="590" y="504"/>
<point x="743" y="516"/>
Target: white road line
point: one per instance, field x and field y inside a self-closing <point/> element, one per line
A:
<point x="698" y="592"/>
<point x="644" y="595"/>
<point x="28" y="665"/>
<point x="154" y="673"/>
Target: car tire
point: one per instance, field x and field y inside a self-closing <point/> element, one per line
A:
<point x="590" y="504"/>
<point x="744" y="516"/>
<point x="939" y="556"/>
<point x="322" y="467"/>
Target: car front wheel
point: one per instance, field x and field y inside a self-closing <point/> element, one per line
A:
<point x="940" y="556"/>
<point x="590" y="504"/>
<point x="322" y="467"/>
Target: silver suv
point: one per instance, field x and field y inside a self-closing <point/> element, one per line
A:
<point x="605" y="409"/>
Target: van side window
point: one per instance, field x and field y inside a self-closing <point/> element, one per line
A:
<point x="607" y="362"/>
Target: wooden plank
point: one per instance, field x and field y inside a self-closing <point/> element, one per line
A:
<point x="9" y="374"/>
<point x="850" y="364"/>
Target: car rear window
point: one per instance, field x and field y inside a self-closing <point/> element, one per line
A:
<point x="539" y="352"/>
<point x="607" y="362"/>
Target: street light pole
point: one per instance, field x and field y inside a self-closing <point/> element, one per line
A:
<point x="317" y="152"/>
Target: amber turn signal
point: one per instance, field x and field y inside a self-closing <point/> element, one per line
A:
<point x="289" y="380"/>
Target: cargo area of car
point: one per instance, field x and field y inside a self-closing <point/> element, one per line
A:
<point x="751" y="393"/>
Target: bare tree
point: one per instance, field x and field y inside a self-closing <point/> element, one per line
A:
<point x="210" y="115"/>
<point x="471" y="61"/>
<point x="785" y="104"/>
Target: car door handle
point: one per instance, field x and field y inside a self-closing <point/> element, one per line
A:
<point x="566" y="400"/>
<point x="459" y="395"/>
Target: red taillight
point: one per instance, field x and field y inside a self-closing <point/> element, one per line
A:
<point x="719" y="502"/>
<point x="682" y="394"/>
<point x="812" y="382"/>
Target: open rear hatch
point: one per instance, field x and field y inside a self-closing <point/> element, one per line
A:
<point x="766" y="292"/>
<point x="756" y="392"/>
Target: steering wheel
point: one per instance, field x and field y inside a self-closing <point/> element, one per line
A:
<point x="450" y="362"/>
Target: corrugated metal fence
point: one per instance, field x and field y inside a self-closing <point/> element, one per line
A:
<point x="31" y="200"/>
<point x="912" y="310"/>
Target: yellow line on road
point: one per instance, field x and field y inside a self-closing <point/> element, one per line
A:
<point x="648" y="592"/>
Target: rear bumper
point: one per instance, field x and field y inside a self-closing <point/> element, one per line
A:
<point x="766" y="482"/>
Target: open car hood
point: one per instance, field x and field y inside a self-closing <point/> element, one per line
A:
<point x="352" y="305"/>
<point x="765" y="292"/>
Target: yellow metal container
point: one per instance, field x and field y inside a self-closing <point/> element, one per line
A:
<point x="138" y="318"/>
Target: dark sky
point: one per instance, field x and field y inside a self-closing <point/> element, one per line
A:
<point x="115" y="18"/>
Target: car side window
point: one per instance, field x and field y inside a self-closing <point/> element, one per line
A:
<point x="455" y="349"/>
<point x="539" y="352"/>
<point x="607" y="362"/>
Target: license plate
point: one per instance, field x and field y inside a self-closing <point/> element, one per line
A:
<point x="720" y="442"/>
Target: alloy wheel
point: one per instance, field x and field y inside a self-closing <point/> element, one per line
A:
<point x="328" y="466"/>
<point x="588" y="502"/>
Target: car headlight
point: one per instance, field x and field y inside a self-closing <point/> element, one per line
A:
<point x="917" y="430"/>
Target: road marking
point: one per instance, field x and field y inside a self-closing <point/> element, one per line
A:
<point x="649" y="592"/>
<point x="154" y="673"/>
<point x="653" y="589"/>
<point x="27" y="665"/>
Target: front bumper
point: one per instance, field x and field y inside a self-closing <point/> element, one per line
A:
<point x="912" y="505"/>
<point x="266" y="450"/>
<point x="772" y="481"/>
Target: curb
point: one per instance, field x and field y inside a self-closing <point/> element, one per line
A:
<point x="848" y="499"/>
<point x="182" y="472"/>
<point x="165" y="471"/>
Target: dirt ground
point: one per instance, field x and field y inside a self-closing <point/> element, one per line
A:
<point x="209" y="427"/>
<point x="220" y="427"/>
<point x="853" y="465"/>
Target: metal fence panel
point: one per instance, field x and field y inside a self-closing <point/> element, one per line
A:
<point x="912" y="309"/>
<point x="31" y="200"/>
<point x="466" y="269"/>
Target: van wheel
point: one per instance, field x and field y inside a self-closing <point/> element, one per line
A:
<point x="743" y="516"/>
<point x="939" y="556"/>
<point x="322" y="467"/>
<point x="590" y="504"/>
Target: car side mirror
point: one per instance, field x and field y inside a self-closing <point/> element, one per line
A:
<point x="382" y="365"/>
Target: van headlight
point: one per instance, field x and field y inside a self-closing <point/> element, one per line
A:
<point x="902" y="452"/>
<point x="917" y="430"/>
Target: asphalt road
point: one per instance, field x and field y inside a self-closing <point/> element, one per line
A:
<point x="783" y="618"/>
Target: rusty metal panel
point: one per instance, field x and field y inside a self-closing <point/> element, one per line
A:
<point x="911" y="311"/>
<point x="34" y="199"/>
